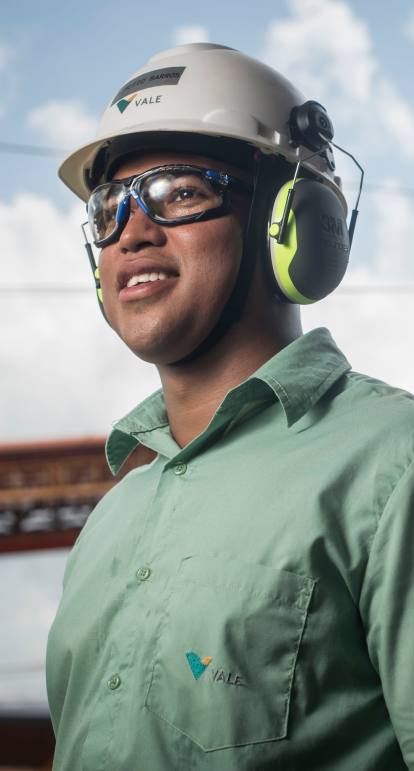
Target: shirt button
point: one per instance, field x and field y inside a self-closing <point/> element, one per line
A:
<point x="143" y="573"/>
<point x="114" y="682"/>
<point x="180" y="468"/>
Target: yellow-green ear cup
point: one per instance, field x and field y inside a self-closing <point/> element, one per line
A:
<point x="99" y="292"/>
<point x="313" y="259"/>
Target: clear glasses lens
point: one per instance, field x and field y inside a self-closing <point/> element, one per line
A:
<point x="179" y="193"/>
<point x="102" y="209"/>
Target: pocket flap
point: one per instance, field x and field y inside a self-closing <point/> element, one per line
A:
<point x="271" y="583"/>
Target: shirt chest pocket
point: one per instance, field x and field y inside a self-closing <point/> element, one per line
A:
<point x="227" y="650"/>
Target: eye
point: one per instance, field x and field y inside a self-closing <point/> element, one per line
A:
<point x="186" y="194"/>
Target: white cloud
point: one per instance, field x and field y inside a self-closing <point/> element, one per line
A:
<point x="50" y="251"/>
<point x="321" y="32"/>
<point x="327" y="51"/>
<point x="64" y="123"/>
<point x="408" y="28"/>
<point x="190" y="33"/>
<point x="64" y="371"/>
<point x="394" y="235"/>
<point x="372" y="330"/>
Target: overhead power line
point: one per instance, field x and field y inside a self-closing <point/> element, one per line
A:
<point x="377" y="188"/>
<point x="50" y="152"/>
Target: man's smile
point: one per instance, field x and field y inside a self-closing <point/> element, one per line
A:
<point x="145" y="277"/>
<point x="142" y="279"/>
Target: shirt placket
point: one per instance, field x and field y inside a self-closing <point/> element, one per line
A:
<point x="127" y="677"/>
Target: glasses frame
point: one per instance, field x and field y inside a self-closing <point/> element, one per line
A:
<point x="133" y="185"/>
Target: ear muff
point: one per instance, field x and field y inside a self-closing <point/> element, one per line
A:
<point x="313" y="258"/>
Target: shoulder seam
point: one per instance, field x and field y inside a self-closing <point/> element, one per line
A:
<point x="397" y="482"/>
<point x="376" y="387"/>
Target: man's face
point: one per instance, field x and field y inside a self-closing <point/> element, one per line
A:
<point x="192" y="268"/>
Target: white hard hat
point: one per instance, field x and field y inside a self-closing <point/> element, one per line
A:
<point x="199" y="89"/>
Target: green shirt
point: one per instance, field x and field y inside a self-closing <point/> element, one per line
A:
<point x="247" y="603"/>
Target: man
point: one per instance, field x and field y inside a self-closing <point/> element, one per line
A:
<point x="247" y="601"/>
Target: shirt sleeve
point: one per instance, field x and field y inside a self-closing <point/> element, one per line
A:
<point x="387" y="609"/>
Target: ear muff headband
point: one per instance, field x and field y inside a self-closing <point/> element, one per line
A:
<point x="312" y="260"/>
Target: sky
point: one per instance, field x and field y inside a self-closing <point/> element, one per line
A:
<point x="63" y="371"/>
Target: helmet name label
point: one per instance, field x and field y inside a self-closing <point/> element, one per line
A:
<point x="168" y="76"/>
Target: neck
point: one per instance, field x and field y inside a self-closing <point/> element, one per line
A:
<point x="194" y="391"/>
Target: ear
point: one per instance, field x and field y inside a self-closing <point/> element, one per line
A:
<point x="314" y="256"/>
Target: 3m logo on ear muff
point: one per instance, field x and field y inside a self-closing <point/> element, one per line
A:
<point x="332" y="225"/>
<point x="306" y="268"/>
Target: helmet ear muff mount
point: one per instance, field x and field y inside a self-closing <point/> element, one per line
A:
<point x="310" y="125"/>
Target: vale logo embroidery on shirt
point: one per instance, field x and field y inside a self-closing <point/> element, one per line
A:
<point x="198" y="666"/>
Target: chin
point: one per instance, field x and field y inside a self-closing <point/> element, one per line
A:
<point x="151" y="351"/>
<point x="160" y="343"/>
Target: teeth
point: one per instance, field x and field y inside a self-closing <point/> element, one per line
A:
<point x="145" y="277"/>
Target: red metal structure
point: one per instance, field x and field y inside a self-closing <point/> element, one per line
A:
<point x="48" y="489"/>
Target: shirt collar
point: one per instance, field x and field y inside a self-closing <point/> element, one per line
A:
<point x="298" y="377"/>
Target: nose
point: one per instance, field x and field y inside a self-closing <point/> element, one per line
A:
<point x="140" y="231"/>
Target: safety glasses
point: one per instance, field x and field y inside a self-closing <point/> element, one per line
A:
<point x="169" y="195"/>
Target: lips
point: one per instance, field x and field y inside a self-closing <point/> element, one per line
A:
<point x="144" y="278"/>
<point x="140" y="279"/>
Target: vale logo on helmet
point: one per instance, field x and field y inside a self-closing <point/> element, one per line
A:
<point x="124" y="103"/>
